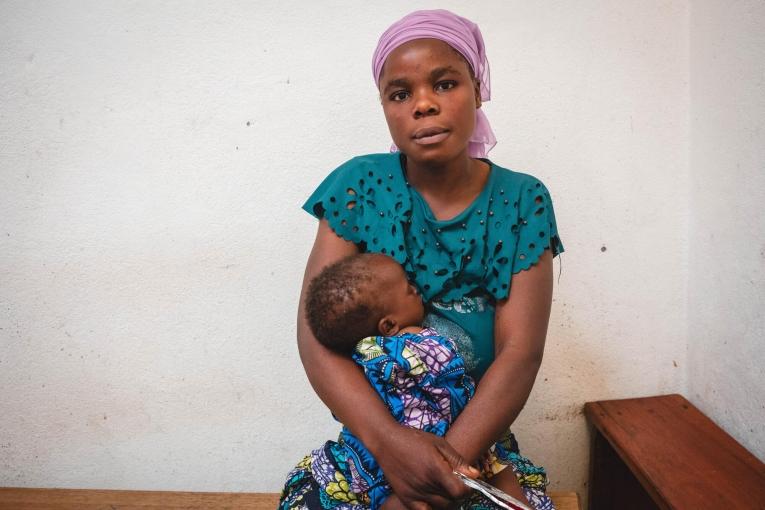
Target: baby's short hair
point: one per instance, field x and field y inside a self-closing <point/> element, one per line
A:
<point x="340" y="305"/>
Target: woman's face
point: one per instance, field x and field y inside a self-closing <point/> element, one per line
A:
<point x="429" y="97"/>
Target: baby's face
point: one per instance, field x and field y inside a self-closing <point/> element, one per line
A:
<point x="396" y="295"/>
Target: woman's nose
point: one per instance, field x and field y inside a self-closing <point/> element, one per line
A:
<point x="425" y="106"/>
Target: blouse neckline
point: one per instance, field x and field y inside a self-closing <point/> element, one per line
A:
<point x="465" y="212"/>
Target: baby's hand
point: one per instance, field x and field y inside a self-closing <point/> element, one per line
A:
<point x="484" y="465"/>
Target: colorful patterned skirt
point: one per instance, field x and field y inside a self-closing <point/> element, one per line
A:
<point x="318" y="482"/>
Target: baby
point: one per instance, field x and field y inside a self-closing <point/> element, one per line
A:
<point x="361" y="296"/>
<point x="364" y="306"/>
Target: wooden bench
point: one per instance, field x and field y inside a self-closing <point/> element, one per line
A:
<point x="662" y="452"/>
<point x="85" y="499"/>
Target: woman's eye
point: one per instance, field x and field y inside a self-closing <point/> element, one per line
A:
<point x="445" y="85"/>
<point x="401" y="95"/>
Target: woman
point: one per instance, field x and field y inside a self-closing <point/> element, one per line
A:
<point x="465" y="230"/>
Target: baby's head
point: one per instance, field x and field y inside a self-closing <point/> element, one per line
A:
<point x="359" y="296"/>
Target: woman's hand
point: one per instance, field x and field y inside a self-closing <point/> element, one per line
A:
<point x="419" y="467"/>
<point x="392" y="503"/>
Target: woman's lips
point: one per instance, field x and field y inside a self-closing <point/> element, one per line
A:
<point x="430" y="136"/>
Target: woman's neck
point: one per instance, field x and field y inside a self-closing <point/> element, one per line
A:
<point x="448" y="188"/>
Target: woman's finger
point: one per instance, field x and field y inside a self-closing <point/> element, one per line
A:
<point x="451" y="483"/>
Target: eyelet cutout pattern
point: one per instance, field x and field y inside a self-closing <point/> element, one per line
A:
<point x="504" y="231"/>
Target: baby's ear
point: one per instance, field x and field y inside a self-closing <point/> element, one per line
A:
<point x="388" y="326"/>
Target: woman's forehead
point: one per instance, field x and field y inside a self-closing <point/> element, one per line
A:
<point x="423" y="55"/>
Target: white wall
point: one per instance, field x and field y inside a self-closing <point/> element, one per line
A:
<point x="153" y="159"/>
<point x="727" y="225"/>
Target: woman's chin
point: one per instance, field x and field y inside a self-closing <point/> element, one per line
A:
<point x="432" y="155"/>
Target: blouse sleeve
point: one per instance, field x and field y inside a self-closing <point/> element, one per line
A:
<point x="523" y="227"/>
<point x="535" y="229"/>
<point x="364" y="202"/>
<point x="340" y="200"/>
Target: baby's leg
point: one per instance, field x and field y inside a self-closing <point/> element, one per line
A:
<point x="506" y="481"/>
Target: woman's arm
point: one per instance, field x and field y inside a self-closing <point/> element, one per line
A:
<point x="519" y="337"/>
<point x="418" y="465"/>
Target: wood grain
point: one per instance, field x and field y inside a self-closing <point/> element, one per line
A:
<point x="679" y="456"/>
<point x="85" y="499"/>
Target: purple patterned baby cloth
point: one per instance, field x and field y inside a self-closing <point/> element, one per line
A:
<point x="423" y="381"/>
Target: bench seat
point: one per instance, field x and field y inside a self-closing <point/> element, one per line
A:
<point x="661" y="452"/>
<point x="87" y="499"/>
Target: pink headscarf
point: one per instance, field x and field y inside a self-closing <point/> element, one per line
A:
<point x="461" y="34"/>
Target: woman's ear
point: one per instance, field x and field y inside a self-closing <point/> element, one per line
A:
<point x="388" y="326"/>
<point x="477" y="88"/>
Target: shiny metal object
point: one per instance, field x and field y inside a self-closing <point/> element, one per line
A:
<point x="499" y="497"/>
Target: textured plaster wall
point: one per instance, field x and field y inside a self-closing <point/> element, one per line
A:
<point x="727" y="225"/>
<point x="153" y="158"/>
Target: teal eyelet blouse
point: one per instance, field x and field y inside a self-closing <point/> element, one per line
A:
<point x="461" y="266"/>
